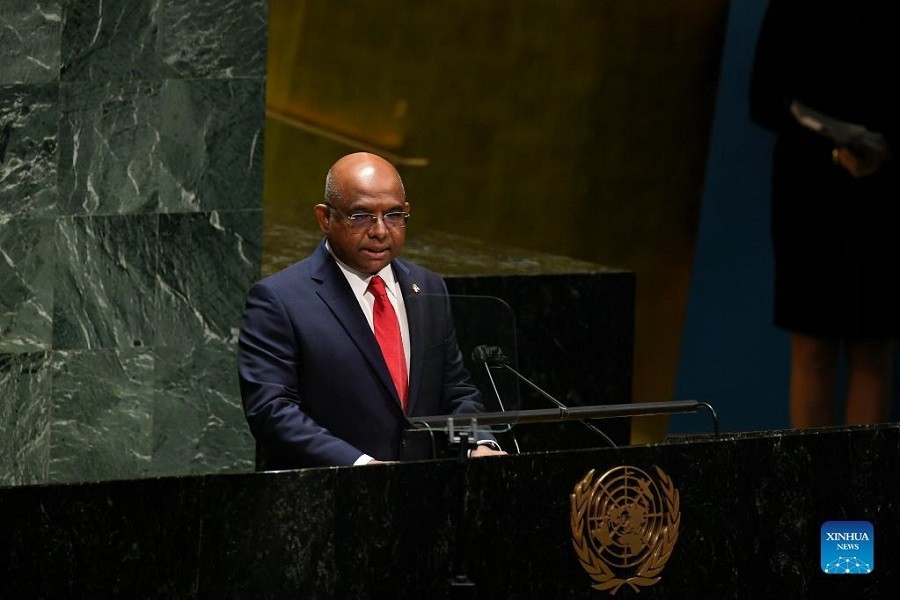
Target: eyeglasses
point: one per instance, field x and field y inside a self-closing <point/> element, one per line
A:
<point x="362" y="221"/>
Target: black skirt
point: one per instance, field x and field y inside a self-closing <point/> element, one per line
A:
<point x="836" y="249"/>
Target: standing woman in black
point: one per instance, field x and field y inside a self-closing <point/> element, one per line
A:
<point x="835" y="206"/>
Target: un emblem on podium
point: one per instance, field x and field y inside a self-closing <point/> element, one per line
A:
<point x="624" y="526"/>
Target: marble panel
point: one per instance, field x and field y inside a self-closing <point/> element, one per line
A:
<point x="156" y="39"/>
<point x="108" y="147"/>
<point x="105" y="295"/>
<point x="28" y="149"/>
<point x="291" y="543"/>
<point x="27" y="260"/>
<point x="207" y="263"/>
<point x="198" y="419"/>
<point x="102" y="420"/>
<point x="214" y="38"/>
<point x="94" y="94"/>
<point x="110" y="40"/>
<point x="29" y="41"/>
<point x="64" y="547"/>
<point x="538" y="558"/>
<point x="212" y="144"/>
<point x="380" y="516"/>
<point x="24" y="418"/>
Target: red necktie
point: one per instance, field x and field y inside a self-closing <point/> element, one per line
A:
<point x="387" y="332"/>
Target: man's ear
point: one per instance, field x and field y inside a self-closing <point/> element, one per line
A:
<point x="323" y="216"/>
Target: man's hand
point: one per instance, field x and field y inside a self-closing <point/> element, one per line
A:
<point x="485" y="450"/>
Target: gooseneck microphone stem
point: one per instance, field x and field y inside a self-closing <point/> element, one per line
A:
<point x="500" y="402"/>
<point x="562" y="407"/>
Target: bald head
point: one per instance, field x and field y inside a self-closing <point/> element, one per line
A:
<point x="359" y="172"/>
<point x="360" y="189"/>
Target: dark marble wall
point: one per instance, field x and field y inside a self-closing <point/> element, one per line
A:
<point x="131" y="137"/>
<point x="750" y="507"/>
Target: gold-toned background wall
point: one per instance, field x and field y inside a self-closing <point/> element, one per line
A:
<point x="576" y="128"/>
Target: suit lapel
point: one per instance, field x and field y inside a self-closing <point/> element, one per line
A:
<point x="335" y="292"/>
<point x="415" y="318"/>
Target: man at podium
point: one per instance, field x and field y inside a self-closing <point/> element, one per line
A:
<point x="337" y="350"/>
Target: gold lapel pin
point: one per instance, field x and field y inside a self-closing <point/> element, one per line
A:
<point x="415" y="288"/>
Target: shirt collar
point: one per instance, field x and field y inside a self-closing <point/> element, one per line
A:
<point x="359" y="281"/>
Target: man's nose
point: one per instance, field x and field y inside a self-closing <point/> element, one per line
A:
<point x="378" y="228"/>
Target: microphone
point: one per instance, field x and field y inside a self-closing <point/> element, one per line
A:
<point x="492" y="356"/>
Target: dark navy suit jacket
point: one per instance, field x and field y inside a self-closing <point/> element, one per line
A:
<point x="315" y="387"/>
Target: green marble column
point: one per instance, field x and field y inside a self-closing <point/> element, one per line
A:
<point x="131" y="138"/>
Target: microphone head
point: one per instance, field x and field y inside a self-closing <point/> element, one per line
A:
<point x="492" y="355"/>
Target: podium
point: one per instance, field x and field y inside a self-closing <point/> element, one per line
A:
<point x="750" y="513"/>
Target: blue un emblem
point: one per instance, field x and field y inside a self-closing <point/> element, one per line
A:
<point x="848" y="547"/>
